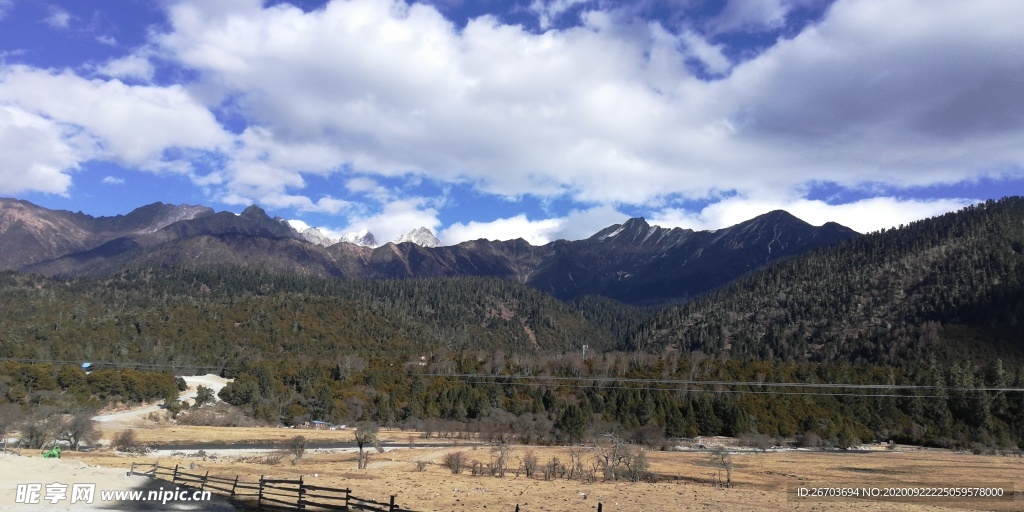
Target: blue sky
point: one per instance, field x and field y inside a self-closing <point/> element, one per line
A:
<point x="540" y="119"/>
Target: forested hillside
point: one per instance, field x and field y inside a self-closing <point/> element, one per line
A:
<point x="909" y="334"/>
<point x="221" y="316"/>
<point x="951" y="287"/>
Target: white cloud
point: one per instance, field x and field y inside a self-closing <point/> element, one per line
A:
<point x="536" y="232"/>
<point x="576" y="225"/>
<point x="5" y="7"/>
<point x="129" y="66"/>
<point x="298" y="225"/>
<point x="395" y="218"/>
<point x="38" y="152"/>
<point x="711" y="55"/>
<point x="548" y="11"/>
<point x="901" y="93"/>
<point x="58" y="18"/>
<point x="134" y="124"/>
<point x="751" y="15"/>
<point x="863" y="216"/>
<point x="112" y="180"/>
<point x="892" y="93"/>
<point x="301" y="226"/>
<point x="265" y="169"/>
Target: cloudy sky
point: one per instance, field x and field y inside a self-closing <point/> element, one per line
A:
<point x="540" y="119"/>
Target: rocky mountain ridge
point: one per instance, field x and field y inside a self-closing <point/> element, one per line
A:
<point x="633" y="262"/>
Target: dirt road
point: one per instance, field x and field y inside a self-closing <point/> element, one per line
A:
<point x="123" y="417"/>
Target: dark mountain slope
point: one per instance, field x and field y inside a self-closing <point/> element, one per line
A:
<point x="222" y="316"/>
<point x="631" y="262"/>
<point x="31" y="234"/>
<point x="951" y="286"/>
<point x="638" y="263"/>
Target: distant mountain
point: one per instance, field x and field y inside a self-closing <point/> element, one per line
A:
<point x="31" y="234"/>
<point x="363" y="238"/>
<point x="632" y="262"/>
<point x="315" y="236"/>
<point x="420" y="236"/>
<point x="635" y="262"/>
<point x="950" y="287"/>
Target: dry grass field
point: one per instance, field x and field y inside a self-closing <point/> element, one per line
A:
<point x="760" y="480"/>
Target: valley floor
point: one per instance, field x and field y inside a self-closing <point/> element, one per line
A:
<point x="685" y="480"/>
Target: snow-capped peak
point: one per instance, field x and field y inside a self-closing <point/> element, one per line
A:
<point x="315" y="236"/>
<point x="420" y="236"/>
<point x="364" y="238"/>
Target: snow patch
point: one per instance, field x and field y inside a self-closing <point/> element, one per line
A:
<point x="420" y="236"/>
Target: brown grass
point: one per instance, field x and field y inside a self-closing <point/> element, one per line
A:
<point x="760" y="479"/>
<point x="165" y="434"/>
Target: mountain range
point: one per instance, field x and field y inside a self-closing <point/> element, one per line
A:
<point x="633" y="262"/>
<point x="935" y="305"/>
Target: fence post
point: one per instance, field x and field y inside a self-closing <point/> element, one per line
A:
<point x="202" y="486"/>
<point x="259" y="501"/>
<point x="392" y="507"/>
<point x="302" y="492"/>
<point x="599" y="507"/>
<point x="132" y="471"/>
<point x="348" y="493"/>
<point x="517" y="507"/>
<point x="233" y="487"/>
<point x="174" y="477"/>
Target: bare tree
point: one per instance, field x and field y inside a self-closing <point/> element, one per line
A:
<point x="616" y="459"/>
<point x="298" y="446"/>
<point x="366" y="435"/>
<point x="529" y="462"/>
<point x="503" y="451"/>
<point x="576" y="462"/>
<point x="76" y="429"/>
<point x="125" y="441"/>
<point x="10" y="414"/>
<point x="610" y="453"/>
<point x="34" y="435"/>
<point x="636" y="466"/>
<point x="721" y="459"/>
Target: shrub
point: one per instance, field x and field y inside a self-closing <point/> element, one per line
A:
<point x="34" y="435"/>
<point x="217" y="415"/>
<point x="274" y="458"/>
<point x="454" y="461"/>
<point x="125" y="441"/>
<point x="809" y="440"/>
<point x="529" y="463"/>
<point x="204" y="395"/>
<point x="760" y="441"/>
<point x="298" y="446"/>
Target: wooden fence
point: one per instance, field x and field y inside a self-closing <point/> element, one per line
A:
<point x="267" y="493"/>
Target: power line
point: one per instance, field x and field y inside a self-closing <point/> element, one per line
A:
<point x="726" y="391"/>
<point x="618" y="382"/>
<point x="614" y="381"/>
<point x="147" y="366"/>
